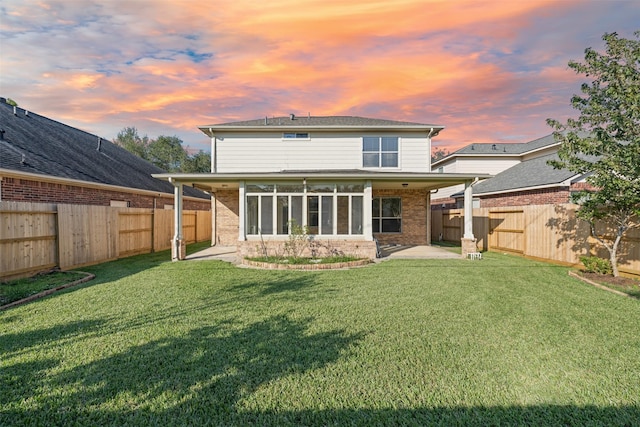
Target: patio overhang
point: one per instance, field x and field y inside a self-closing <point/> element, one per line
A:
<point x="214" y="182"/>
<point x="379" y="180"/>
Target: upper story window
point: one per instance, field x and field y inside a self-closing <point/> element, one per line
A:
<point x="295" y="135"/>
<point x="380" y="152"/>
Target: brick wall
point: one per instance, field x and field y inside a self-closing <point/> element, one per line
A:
<point x="414" y="218"/>
<point x="23" y="190"/>
<point x="546" y="196"/>
<point x="227" y="211"/>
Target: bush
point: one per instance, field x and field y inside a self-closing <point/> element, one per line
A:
<point x="593" y="264"/>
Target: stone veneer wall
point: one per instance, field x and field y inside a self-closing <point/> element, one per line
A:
<point x="414" y="218"/>
<point x="316" y="247"/>
<point x="24" y="190"/>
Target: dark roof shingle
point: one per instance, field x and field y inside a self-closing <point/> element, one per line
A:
<point x="36" y="144"/>
<point x="531" y="173"/>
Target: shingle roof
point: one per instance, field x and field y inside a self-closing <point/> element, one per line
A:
<point x="507" y="148"/>
<point x="321" y="121"/>
<point x="531" y="173"/>
<point x="36" y="144"/>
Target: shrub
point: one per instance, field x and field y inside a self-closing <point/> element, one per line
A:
<point x="593" y="264"/>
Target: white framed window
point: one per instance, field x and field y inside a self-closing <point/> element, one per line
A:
<point x="380" y="152"/>
<point x="296" y="135"/>
<point x="326" y="209"/>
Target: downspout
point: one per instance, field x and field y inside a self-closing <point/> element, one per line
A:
<point x="214" y="151"/>
<point x="429" y="135"/>
<point x="178" y="245"/>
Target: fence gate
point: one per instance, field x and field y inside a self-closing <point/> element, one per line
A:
<point x="506" y="231"/>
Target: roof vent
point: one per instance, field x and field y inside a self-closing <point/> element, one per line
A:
<point x="266" y="120"/>
<point x="292" y="116"/>
<point x="15" y="110"/>
<point x="26" y="113"/>
<point x="99" y="143"/>
<point x="1" y="134"/>
<point x="493" y="147"/>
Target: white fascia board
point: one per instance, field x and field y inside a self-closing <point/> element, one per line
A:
<point x="211" y="130"/>
<point x="280" y="176"/>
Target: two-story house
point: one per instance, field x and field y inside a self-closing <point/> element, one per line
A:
<point x="522" y="175"/>
<point x="348" y="180"/>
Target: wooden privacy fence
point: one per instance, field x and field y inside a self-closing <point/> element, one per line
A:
<point x="545" y="232"/>
<point x="37" y="236"/>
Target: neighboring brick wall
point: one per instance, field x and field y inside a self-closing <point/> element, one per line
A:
<point x="227" y="211"/>
<point x="414" y="218"/>
<point x="23" y="190"/>
<point x="547" y="196"/>
<point x="448" y="203"/>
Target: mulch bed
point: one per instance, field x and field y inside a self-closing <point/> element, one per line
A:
<point x="610" y="283"/>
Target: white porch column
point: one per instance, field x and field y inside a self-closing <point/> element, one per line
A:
<point x="468" y="241"/>
<point x="468" y="210"/>
<point x="178" y="245"/>
<point x="367" y="200"/>
<point x="241" y="213"/>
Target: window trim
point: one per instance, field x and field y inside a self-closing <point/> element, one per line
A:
<point x="296" y="136"/>
<point x="305" y="195"/>
<point x="380" y="152"/>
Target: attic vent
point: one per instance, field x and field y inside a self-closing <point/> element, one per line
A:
<point x="266" y="120"/>
<point x="493" y="147"/>
<point x="292" y="116"/>
<point x="1" y="134"/>
<point x="15" y="110"/>
<point x="26" y="113"/>
<point x="99" y="143"/>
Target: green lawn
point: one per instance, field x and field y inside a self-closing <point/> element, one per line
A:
<point x="501" y="341"/>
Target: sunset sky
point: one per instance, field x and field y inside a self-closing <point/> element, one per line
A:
<point x="490" y="71"/>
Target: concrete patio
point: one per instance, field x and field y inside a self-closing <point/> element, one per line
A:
<point x="228" y="253"/>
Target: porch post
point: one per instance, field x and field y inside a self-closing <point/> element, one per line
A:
<point x="368" y="198"/>
<point x="241" y="213"/>
<point x="178" y="245"/>
<point x="468" y="240"/>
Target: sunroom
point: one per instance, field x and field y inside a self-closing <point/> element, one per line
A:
<point x="346" y="212"/>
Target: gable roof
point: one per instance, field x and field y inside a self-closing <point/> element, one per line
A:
<point x="321" y="122"/>
<point x="34" y="144"/>
<point x="501" y="149"/>
<point x="528" y="174"/>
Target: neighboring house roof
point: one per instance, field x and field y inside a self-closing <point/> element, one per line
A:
<point x="321" y="122"/>
<point x="529" y="174"/>
<point x="34" y="144"/>
<point x="500" y="149"/>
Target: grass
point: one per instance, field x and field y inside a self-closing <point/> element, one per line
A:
<point x="502" y="341"/>
<point x="15" y="290"/>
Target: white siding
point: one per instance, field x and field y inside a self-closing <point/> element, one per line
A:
<point x="485" y="165"/>
<point x="490" y="165"/>
<point x="254" y="152"/>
